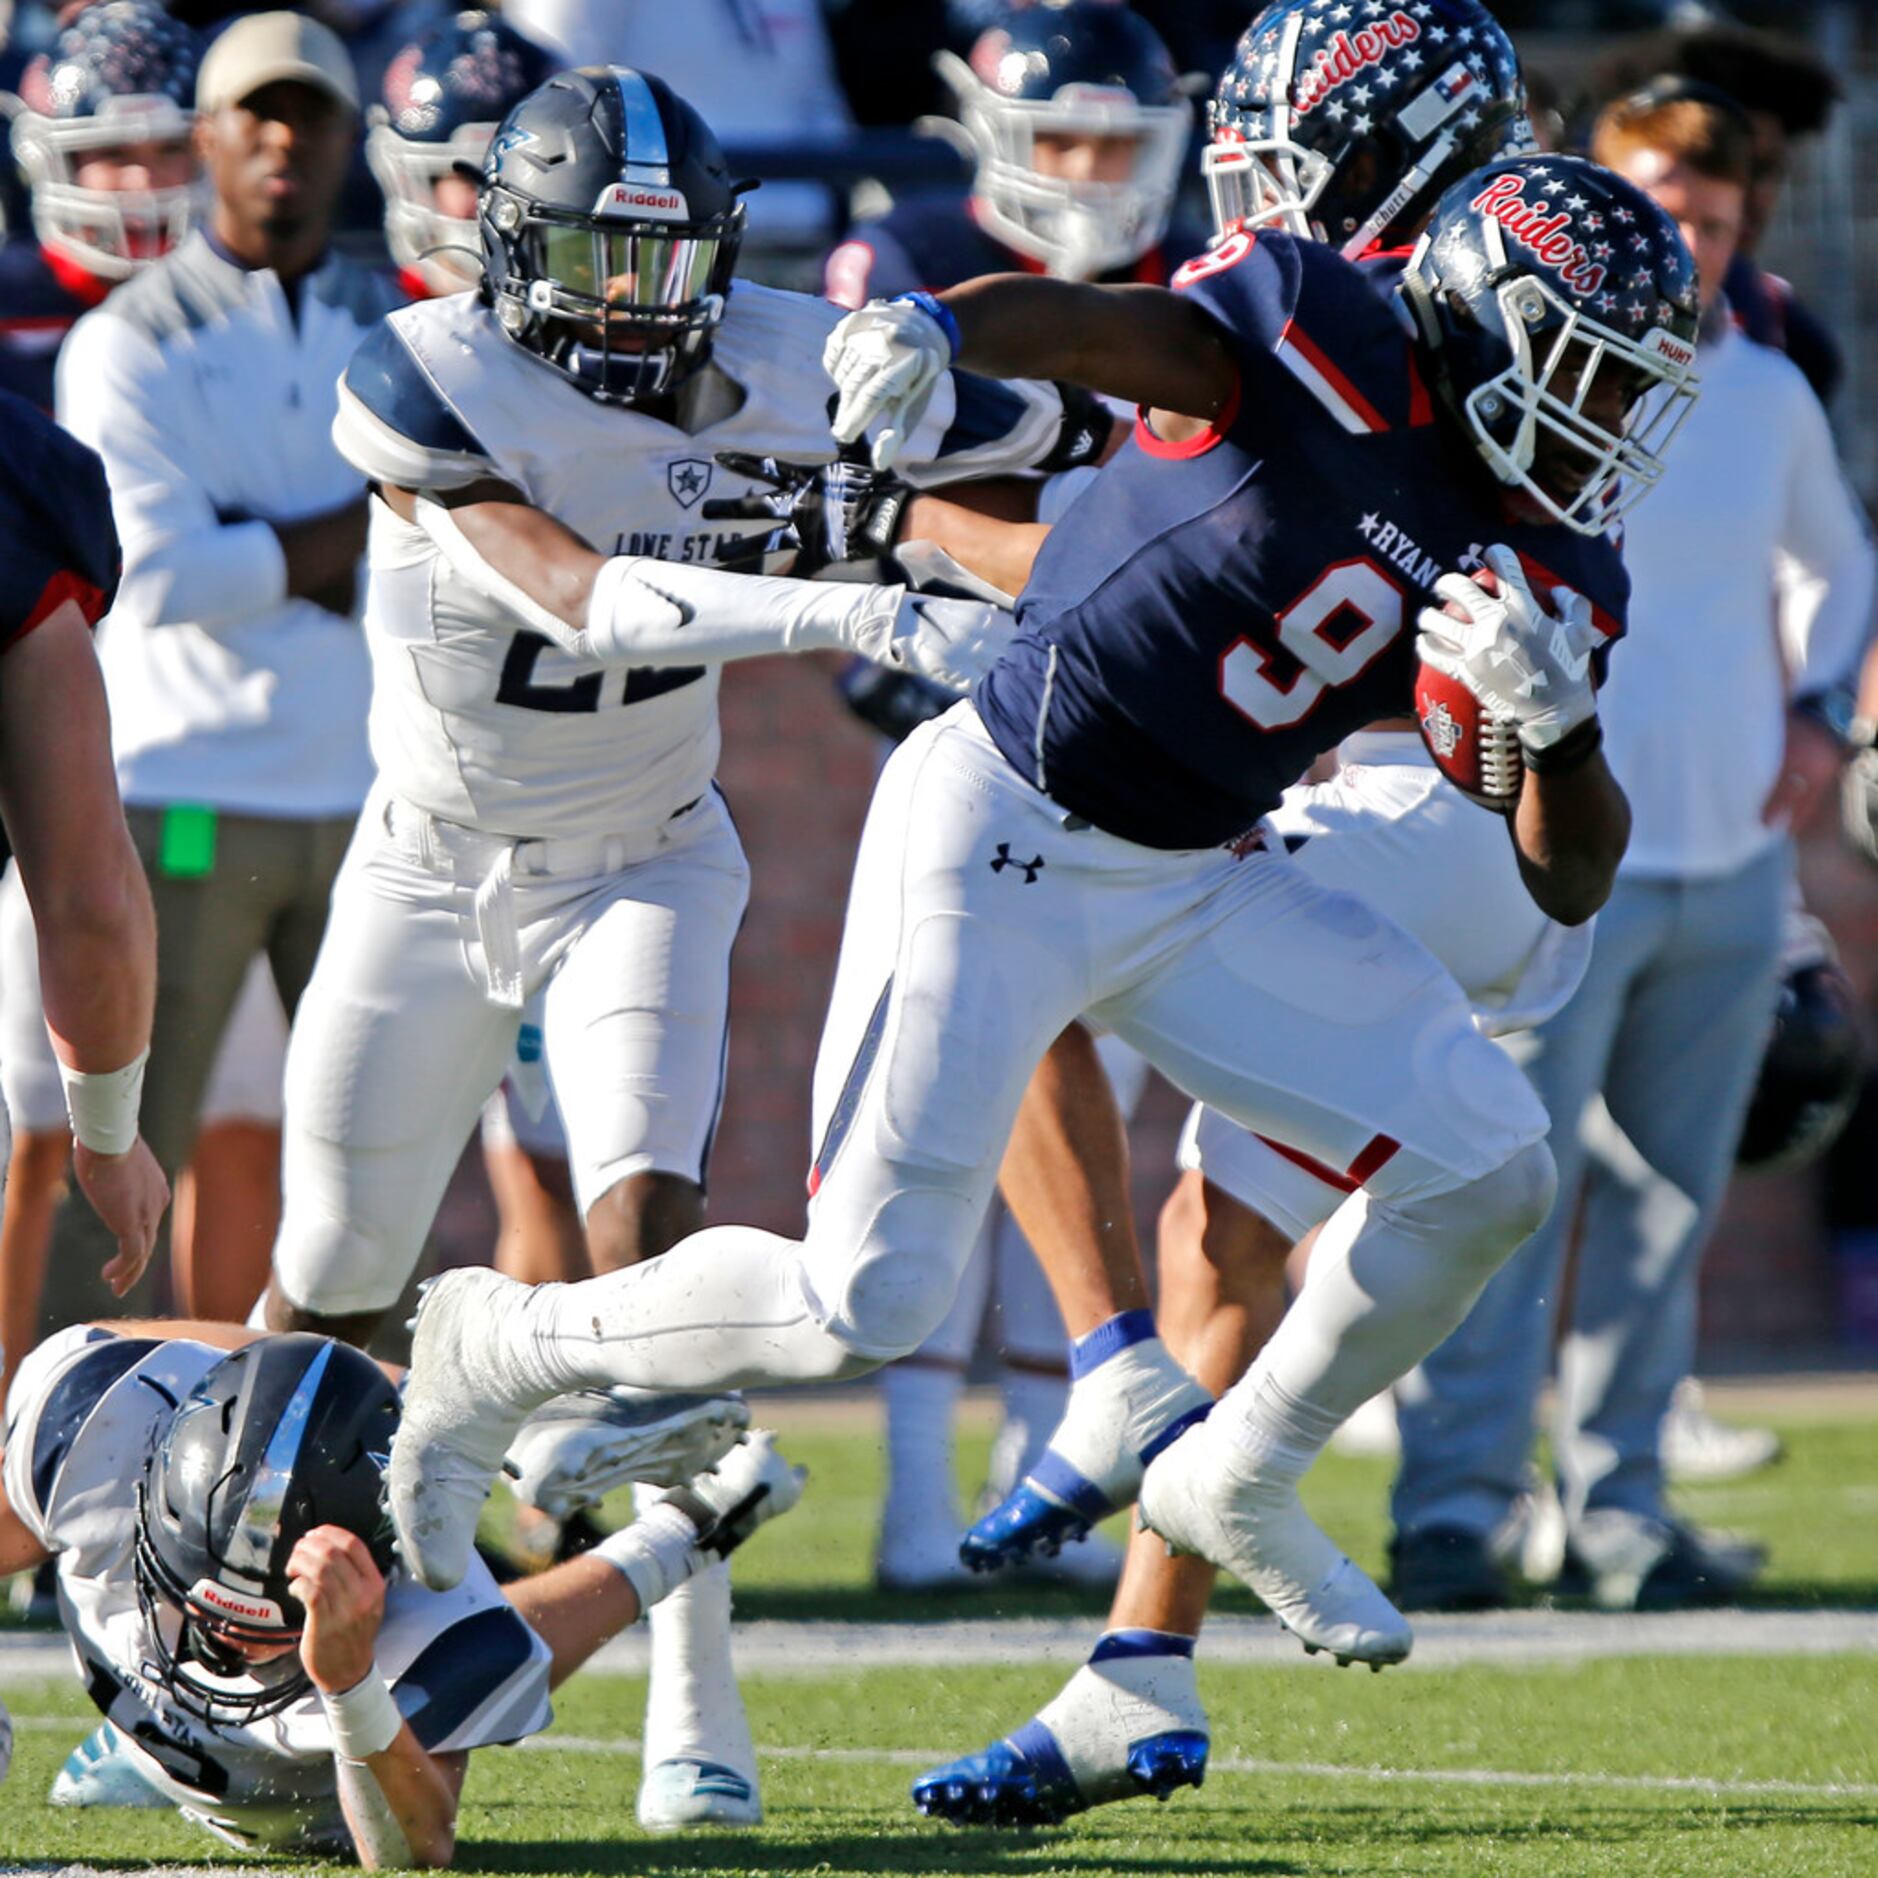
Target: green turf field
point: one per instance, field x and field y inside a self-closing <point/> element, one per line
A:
<point x="1698" y="1764"/>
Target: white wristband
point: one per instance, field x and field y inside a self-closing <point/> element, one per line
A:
<point x="104" y="1106"/>
<point x="364" y="1719"/>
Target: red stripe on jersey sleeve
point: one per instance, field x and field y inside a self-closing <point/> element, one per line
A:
<point x="1200" y="442"/>
<point x="1321" y="363"/>
<point x="63" y="586"/>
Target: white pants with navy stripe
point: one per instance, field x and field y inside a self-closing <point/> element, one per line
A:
<point x="984" y="919"/>
<point x="405" y="1029"/>
<point x="1390" y="828"/>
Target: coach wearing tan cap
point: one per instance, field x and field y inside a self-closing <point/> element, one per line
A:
<point x="237" y="674"/>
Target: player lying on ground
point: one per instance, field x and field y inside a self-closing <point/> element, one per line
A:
<point x="1084" y="837"/>
<point x="233" y="1603"/>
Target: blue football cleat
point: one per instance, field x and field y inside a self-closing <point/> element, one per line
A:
<point x="1127" y="1725"/>
<point x="1128" y="1400"/>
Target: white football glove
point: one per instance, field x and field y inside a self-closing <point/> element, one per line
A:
<point x="886" y="361"/>
<point x="1525" y="664"/>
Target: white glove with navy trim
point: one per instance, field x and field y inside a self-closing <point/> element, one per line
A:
<point x="1524" y="663"/>
<point x="886" y="361"/>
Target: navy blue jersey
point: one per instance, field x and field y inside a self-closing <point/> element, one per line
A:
<point x="1212" y="615"/>
<point x="935" y="241"/>
<point x="57" y="539"/>
<point x="40" y="302"/>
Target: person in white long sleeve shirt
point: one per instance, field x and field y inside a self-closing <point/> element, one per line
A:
<point x="1752" y="580"/>
<point x="238" y="677"/>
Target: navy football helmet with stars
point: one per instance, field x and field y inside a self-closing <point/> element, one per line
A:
<point x="1344" y="120"/>
<point x="444" y="95"/>
<point x="119" y="76"/>
<point x="1558" y="304"/>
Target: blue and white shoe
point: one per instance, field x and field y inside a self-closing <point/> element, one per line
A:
<point x="677" y="1794"/>
<point x="1128" y="1400"/>
<point x="100" y="1772"/>
<point x="1128" y="1724"/>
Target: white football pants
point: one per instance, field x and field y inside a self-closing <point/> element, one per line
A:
<point x="1390" y="827"/>
<point x="402" y="1035"/>
<point x="1296" y="1011"/>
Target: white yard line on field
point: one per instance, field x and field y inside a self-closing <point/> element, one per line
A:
<point x="1508" y="1638"/>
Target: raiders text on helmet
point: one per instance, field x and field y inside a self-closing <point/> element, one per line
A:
<point x="444" y="95"/>
<point x="1072" y="68"/>
<point x="1345" y="123"/>
<point x="1559" y="306"/>
<point x="122" y="73"/>
<point x="283" y="1435"/>
<point x="610" y="229"/>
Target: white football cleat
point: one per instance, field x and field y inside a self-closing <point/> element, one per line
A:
<point x="677" y="1794"/>
<point x="100" y="1772"/>
<point x="574" y="1451"/>
<point x="463" y="1404"/>
<point x="1195" y="1497"/>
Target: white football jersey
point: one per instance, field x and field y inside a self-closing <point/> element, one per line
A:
<point x="464" y="1668"/>
<point x="479" y="720"/>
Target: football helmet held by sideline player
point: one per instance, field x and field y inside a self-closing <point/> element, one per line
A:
<point x="1558" y="306"/>
<point x="1346" y="130"/>
<point x="610" y="229"/>
<point x="444" y="96"/>
<point x="286" y="1434"/>
<point x="120" y="78"/>
<point x="1069" y="70"/>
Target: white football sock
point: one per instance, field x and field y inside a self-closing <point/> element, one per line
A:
<point x="1033" y="1405"/>
<point x="1385" y="1284"/>
<point x="693" y="1708"/>
<point x="723" y="1309"/>
<point x="921" y="1400"/>
<point x="1137" y="1683"/>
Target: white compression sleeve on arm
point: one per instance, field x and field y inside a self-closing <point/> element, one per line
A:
<point x="649" y="612"/>
<point x="710" y="616"/>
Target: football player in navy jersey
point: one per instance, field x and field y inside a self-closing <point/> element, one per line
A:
<point x="1231" y="596"/>
<point x="1078" y="124"/>
<point x="104" y="144"/>
<point x="59" y="567"/>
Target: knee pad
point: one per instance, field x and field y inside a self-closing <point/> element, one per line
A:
<point x="885" y="1296"/>
<point x="1487" y="1220"/>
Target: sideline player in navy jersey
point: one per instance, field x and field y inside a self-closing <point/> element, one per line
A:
<point x="1230" y="597"/>
<point x="59" y="568"/>
<point x="1078" y="125"/>
<point x="103" y="140"/>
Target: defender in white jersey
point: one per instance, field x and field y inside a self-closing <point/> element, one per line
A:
<point x="544" y="819"/>
<point x="545" y="822"/>
<point x="260" y="1664"/>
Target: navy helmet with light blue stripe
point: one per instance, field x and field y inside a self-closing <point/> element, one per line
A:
<point x="281" y="1436"/>
<point x="610" y="229"/>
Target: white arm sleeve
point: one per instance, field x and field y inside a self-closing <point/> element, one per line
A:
<point x="182" y="562"/>
<point x="1824" y="563"/>
<point x="649" y="612"/>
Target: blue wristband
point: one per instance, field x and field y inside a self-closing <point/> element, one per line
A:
<point x="936" y="310"/>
